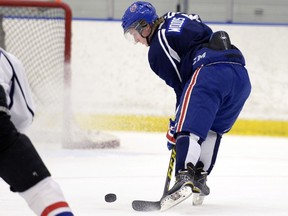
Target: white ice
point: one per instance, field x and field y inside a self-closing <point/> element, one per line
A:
<point x="250" y="177"/>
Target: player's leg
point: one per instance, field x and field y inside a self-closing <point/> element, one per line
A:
<point x="188" y="148"/>
<point x="185" y="170"/>
<point x="197" y="110"/>
<point x="192" y="179"/>
<point x="235" y="99"/>
<point x="191" y="150"/>
<point x="209" y="151"/>
<point x="195" y="116"/>
<point x="22" y="168"/>
<point x="225" y="117"/>
<point x="201" y="109"/>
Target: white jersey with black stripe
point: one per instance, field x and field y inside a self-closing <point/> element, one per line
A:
<point x="18" y="93"/>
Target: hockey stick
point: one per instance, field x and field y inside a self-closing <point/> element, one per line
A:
<point x="142" y="205"/>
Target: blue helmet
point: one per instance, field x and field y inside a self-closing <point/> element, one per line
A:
<point x="139" y="10"/>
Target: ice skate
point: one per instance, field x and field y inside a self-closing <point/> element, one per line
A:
<point x="182" y="189"/>
<point x="199" y="181"/>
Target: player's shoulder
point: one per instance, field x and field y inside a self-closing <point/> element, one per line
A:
<point x="10" y="64"/>
<point x="174" y="16"/>
<point x="7" y="57"/>
<point x="175" y="22"/>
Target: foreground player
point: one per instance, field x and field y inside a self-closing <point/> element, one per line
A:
<point x="20" y="165"/>
<point x="211" y="84"/>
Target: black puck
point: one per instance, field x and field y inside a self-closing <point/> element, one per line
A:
<point x="110" y="197"/>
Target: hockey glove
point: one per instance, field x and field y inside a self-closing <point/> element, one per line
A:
<point x="170" y="134"/>
<point x="3" y="101"/>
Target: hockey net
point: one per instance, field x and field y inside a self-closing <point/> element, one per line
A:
<point x="39" y="34"/>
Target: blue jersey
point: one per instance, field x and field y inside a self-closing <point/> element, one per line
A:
<point x="172" y="46"/>
<point x="211" y="86"/>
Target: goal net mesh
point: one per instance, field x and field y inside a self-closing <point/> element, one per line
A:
<point x="39" y="34"/>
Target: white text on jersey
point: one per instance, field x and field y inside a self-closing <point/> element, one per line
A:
<point x="176" y="24"/>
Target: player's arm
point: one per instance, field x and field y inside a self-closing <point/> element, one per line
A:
<point x="165" y="63"/>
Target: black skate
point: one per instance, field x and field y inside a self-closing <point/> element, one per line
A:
<point x="182" y="189"/>
<point x="199" y="181"/>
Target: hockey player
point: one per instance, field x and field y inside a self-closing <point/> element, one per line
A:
<point x="20" y="165"/>
<point x="211" y="84"/>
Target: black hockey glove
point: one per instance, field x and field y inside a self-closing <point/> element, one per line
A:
<point x="3" y="100"/>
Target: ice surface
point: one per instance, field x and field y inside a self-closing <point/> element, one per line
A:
<point x="250" y="177"/>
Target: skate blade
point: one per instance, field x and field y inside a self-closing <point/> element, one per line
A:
<point x="174" y="199"/>
<point x="198" y="199"/>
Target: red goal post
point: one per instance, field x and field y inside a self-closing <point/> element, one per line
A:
<point x="39" y="34"/>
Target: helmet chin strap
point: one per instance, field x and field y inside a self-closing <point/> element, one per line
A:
<point x="147" y="37"/>
<point x="141" y="27"/>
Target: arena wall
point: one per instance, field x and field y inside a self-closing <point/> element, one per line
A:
<point x="113" y="87"/>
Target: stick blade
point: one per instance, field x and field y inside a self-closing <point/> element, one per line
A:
<point x="141" y="205"/>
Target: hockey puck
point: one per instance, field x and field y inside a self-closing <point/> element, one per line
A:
<point x="110" y="197"/>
